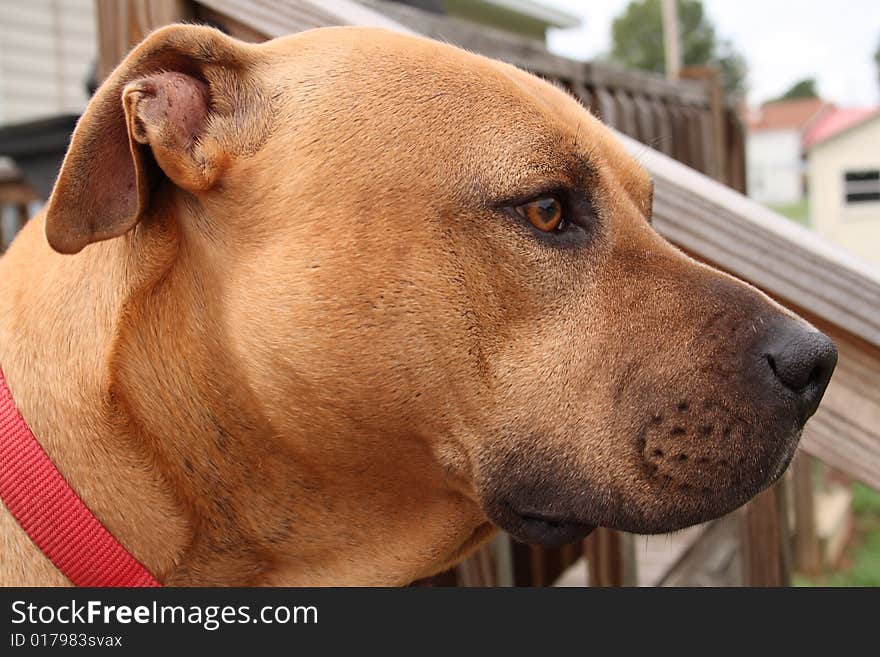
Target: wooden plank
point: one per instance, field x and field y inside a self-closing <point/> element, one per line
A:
<point x="715" y="558"/>
<point x="845" y="432"/>
<point x="349" y="12"/>
<point x="715" y="120"/>
<point x="655" y="556"/>
<point x="658" y="554"/>
<point x="665" y="140"/>
<point x="281" y="17"/>
<point x="735" y="151"/>
<point x="478" y="569"/>
<point x="606" y="106"/>
<point x="271" y="20"/>
<point x="502" y="553"/>
<point x="538" y="566"/>
<point x="707" y="143"/>
<point x="718" y="115"/>
<point x="684" y="92"/>
<point x="680" y="134"/>
<point x="610" y="558"/>
<point x="231" y="26"/>
<point x="124" y="23"/>
<point x="694" y="139"/>
<point x="783" y="492"/>
<point x="808" y="558"/>
<point x="582" y="93"/>
<point x="764" y="535"/>
<point x="546" y="564"/>
<point x="647" y="129"/>
<point x="627" y="109"/>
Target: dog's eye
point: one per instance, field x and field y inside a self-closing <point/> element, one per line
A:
<point x="544" y="213"/>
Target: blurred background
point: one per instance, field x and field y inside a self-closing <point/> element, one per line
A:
<point x="777" y="100"/>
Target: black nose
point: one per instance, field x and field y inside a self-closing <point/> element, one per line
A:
<point x="803" y="360"/>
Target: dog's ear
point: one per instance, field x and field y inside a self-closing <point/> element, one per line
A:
<point x="167" y="109"/>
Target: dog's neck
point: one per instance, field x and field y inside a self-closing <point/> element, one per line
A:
<point x="57" y="326"/>
<point x="172" y="452"/>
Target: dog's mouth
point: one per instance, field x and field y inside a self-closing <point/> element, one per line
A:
<point x="680" y="482"/>
<point x="536" y="527"/>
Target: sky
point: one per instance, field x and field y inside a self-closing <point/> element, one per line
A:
<point x="782" y="42"/>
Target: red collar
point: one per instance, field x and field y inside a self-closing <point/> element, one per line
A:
<point x="52" y="514"/>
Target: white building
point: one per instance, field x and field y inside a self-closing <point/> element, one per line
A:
<point x="844" y="180"/>
<point x="47" y="50"/>
<point x="775" y="157"/>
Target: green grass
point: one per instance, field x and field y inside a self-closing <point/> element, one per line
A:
<point x="862" y="558"/>
<point x="799" y="212"/>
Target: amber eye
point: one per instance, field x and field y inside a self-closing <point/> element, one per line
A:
<point x="544" y="213"/>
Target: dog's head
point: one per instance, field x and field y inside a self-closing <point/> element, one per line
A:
<point x="430" y="246"/>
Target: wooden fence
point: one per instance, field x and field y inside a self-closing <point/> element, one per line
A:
<point x="686" y="122"/>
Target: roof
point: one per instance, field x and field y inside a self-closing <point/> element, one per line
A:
<point x="837" y="121"/>
<point x="538" y="11"/>
<point x="788" y="114"/>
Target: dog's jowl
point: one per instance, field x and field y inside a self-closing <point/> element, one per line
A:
<point x="333" y="308"/>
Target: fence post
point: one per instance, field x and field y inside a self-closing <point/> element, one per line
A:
<point x="611" y="558"/>
<point x="502" y="552"/>
<point x="605" y="107"/>
<point x="711" y="77"/>
<point x="765" y="540"/>
<point x="478" y="569"/>
<point x="582" y="93"/>
<point x="808" y="557"/>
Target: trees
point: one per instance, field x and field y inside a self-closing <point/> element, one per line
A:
<point x="637" y="41"/>
<point x="805" y="88"/>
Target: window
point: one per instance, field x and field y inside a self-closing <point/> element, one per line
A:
<point x="862" y="186"/>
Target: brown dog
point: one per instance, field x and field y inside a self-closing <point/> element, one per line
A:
<point x="344" y="302"/>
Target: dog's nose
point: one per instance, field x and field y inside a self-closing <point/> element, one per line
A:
<point x="802" y="359"/>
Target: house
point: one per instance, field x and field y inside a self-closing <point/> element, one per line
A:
<point x="775" y="150"/>
<point x="47" y="52"/>
<point x="47" y="57"/>
<point x="844" y="180"/>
